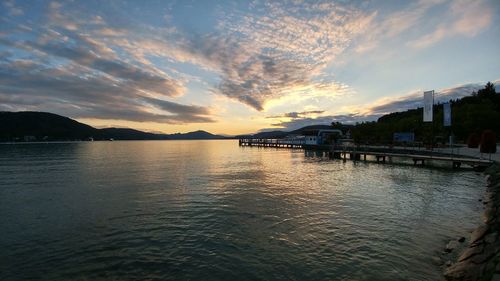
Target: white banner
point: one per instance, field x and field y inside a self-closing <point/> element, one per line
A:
<point x="428" y="105"/>
<point x="446" y="114"/>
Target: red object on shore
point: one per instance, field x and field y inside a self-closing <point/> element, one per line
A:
<point x="488" y="142"/>
<point x="473" y="141"/>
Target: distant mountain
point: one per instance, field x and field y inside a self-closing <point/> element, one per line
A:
<point x="281" y="134"/>
<point x="311" y="127"/>
<point x="43" y="126"/>
<point x="195" y="136"/>
<point x="265" y="135"/>
<point x="129" y="134"/>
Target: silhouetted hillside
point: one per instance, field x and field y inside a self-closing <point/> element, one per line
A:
<point x="43" y="126"/>
<point x="195" y="136"/>
<point x="264" y="135"/>
<point x="309" y="128"/>
<point x="128" y="134"/>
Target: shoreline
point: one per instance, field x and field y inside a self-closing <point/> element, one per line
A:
<point x="480" y="260"/>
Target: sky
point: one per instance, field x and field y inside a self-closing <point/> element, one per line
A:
<point x="235" y="67"/>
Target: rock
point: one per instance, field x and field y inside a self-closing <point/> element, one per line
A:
<point x="488" y="215"/>
<point x="478" y="233"/>
<point x="489" y="268"/>
<point x="497" y="269"/>
<point x="461" y="239"/>
<point x="483" y="257"/>
<point x="470" y="252"/>
<point x="463" y="271"/>
<point x="451" y="246"/>
<point x="491" y="237"/>
<point x="489" y="196"/>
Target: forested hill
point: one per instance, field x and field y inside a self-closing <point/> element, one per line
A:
<point x="42" y="124"/>
<point x="469" y="115"/>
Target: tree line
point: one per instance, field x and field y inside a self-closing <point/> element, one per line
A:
<point x="470" y="116"/>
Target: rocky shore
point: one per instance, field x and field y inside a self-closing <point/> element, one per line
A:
<point x="480" y="260"/>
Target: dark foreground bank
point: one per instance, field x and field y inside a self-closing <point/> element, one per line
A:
<point x="481" y="259"/>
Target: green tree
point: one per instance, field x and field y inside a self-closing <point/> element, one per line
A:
<point x="488" y="91"/>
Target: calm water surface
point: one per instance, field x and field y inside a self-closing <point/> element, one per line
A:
<point x="210" y="210"/>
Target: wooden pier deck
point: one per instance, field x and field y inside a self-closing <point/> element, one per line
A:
<point x="380" y="154"/>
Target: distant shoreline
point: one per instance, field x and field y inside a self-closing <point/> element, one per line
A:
<point x="82" y="141"/>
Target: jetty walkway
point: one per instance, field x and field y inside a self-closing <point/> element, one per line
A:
<point x="381" y="154"/>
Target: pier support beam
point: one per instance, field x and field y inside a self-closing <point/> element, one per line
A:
<point x="334" y="155"/>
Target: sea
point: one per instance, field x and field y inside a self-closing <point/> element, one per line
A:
<point x="212" y="210"/>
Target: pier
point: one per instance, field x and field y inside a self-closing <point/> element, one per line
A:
<point x="380" y="154"/>
<point x="279" y="143"/>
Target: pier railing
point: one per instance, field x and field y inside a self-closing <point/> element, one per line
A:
<point x="288" y="143"/>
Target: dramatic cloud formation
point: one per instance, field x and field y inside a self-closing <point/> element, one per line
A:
<point x="29" y="85"/>
<point x="183" y="63"/>
<point x="76" y="74"/>
<point x="275" y="51"/>
<point x="284" y="49"/>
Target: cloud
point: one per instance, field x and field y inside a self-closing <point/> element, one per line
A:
<point x="13" y="10"/>
<point x="106" y="31"/>
<point x="192" y="113"/>
<point x="80" y="50"/>
<point x="296" y="114"/>
<point x="467" y="18"/>
<point x="71" y="66"/>
<point x="261" y="55"/>
<point x="70" y="89"/>
<point x="423" y="23"/>
<point x="274" y="51"/>
<point x="380" y="26"/>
